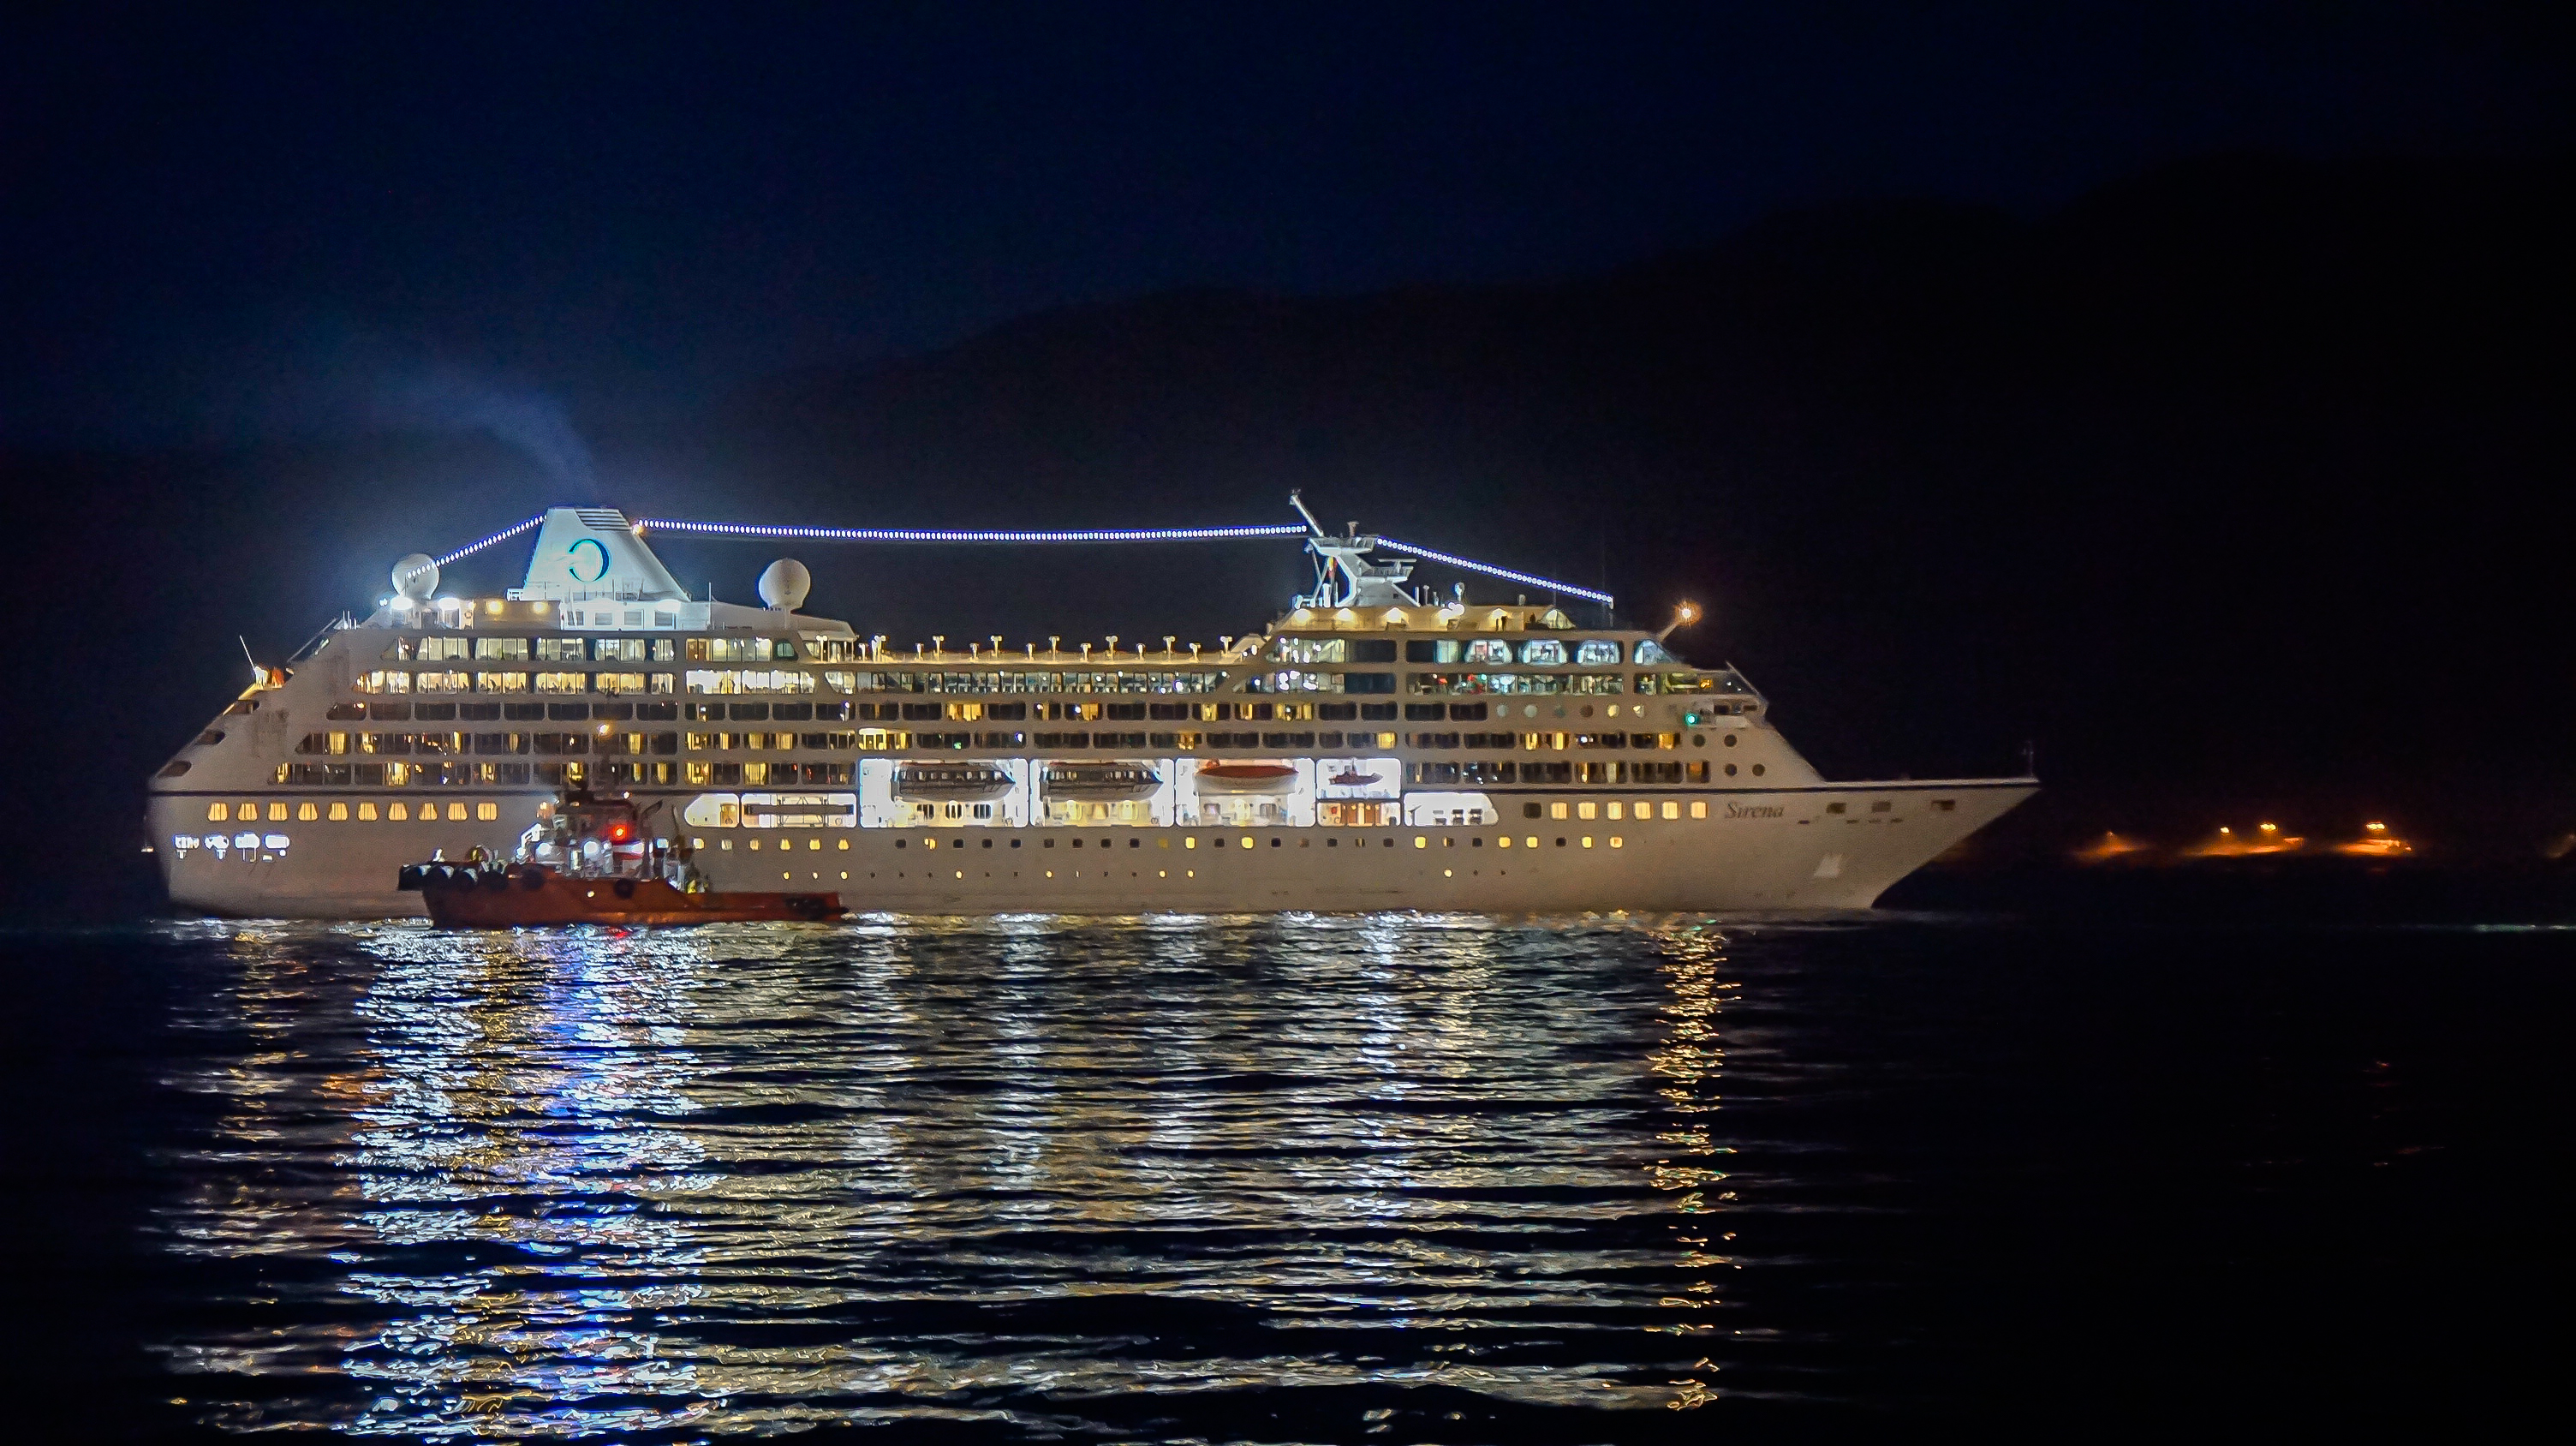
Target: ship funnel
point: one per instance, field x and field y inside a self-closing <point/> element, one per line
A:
<point x="587" y="552"/>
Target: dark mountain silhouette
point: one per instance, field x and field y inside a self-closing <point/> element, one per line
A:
<point x="2232" y="487"/>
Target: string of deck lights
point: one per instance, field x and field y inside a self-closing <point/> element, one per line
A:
<point x="1391" y="544"/>
<point x="892" y="534"/>
<point x="1115" y="534"/>
<point x="503" y="535"/>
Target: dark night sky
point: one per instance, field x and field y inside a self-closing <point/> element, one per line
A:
<point x="242" y="221"/>
<point x="2180" y="386"/>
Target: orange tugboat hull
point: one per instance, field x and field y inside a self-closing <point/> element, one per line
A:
<point x="491" y="899"/>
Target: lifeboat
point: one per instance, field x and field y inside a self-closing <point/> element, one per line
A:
<point x="590" y="861"/>
<point x="1118" y="782"/>
<point x="950" y="782"/>
<point x="1246" y="778"/>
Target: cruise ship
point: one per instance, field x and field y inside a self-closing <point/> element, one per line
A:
<point x="1377" y="746"/>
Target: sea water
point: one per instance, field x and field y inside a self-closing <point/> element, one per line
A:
<point x="1398" y="1177"/>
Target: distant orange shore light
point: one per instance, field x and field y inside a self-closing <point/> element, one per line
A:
<point x="2109" y="846"/>
<point x="2376" y="842"/>
<point x="2267" y="839"/>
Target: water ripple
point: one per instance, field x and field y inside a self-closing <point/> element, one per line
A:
<point x="1065" y="1175"/>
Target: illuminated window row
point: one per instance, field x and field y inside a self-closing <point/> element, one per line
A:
<point x="603" y="740"/>
<point x="406" y="710"/>
<point x="1551" y="742"/>
<point x="1592" y="771"/>
<point x="556" y="649"/>
<point x="397" y="683"/>
<point x="345" y="811"/>
<point x="1644" y="808"/>
<point x="1532" y="652"/>
<point x="1187" y="842"/>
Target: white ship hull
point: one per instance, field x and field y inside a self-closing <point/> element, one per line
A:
<point x="1370" y="750"/>
<point x="1777" y="849"/>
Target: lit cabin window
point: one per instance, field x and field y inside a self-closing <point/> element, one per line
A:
<point x="339" y="813"/>
<point x="307" y="813"/>
<point x="1699" y="808"/>
<point x="505" y="648"/>
<point x="1310" y="650"/>
<point x="731" y="650"/>
<point x="366" y="813"/>
<point x="1488" y="650"/>
<point x="500" y="682"/>
<point x="561" y="650"/>
<point x="563" y="682"/>
<point x="398" y="812"/>
<point x="276" y="813"/>
<point x="618" y="650"/>
<point x="1650" y="652"/>
<point x="1543" y="653"/>
<point x="217" y="813"/>
<point x="435" y="649"/>
<point x="1596" y="653"/>
<point x="455" y="812"/>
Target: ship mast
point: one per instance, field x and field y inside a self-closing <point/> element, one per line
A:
<point x="1363" y="583"/>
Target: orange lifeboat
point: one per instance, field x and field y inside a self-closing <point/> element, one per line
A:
<point x="1256" y="778"/>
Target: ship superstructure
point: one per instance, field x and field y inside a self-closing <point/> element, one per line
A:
<point x="1374" y="747"/>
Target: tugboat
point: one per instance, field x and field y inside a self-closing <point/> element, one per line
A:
<point x="591" y="861"/>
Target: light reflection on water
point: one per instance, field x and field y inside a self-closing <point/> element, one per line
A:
<point x="1068" y="1174"/>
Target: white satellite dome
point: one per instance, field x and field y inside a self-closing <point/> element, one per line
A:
<point x="784" y="583"/>
<point x="416" y="577"/>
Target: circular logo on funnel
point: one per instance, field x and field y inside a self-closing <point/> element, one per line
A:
<point x="573" y="559"/>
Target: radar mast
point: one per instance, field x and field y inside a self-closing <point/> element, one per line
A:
<point x="1345" y="577"/>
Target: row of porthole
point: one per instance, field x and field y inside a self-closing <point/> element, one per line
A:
<point x="341" y="811"/>
<point x="367" y="811"/>
<point x="1586" y="808"/>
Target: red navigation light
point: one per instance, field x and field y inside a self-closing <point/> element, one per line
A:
<point x="620" y="832"/>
